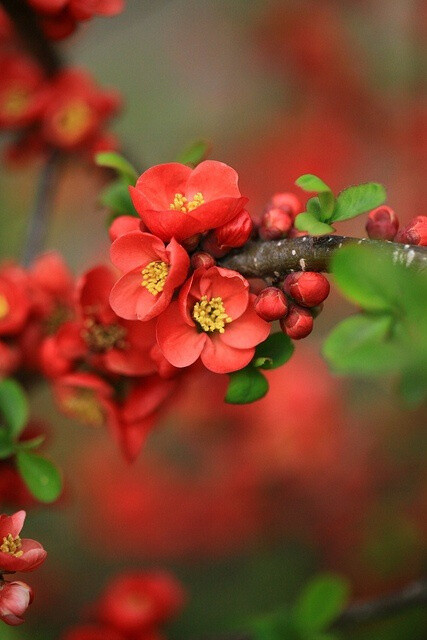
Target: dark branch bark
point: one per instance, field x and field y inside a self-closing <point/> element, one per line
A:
<point x="39" y="217"/>
<point x="29" y="30"/>
<point x="275" y="258"/>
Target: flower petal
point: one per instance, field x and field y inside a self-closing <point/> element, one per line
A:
<point x="214" y="179"/>
<point x="220" y="358"/>
<point x="135" y="250"/>
<point x="180" y="343"/>
<point x="158" y="185"/>
<point x="247" y="331"/>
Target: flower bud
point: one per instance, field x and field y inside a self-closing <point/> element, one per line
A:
<point x="275" y="224"/>
<point x="124" y="224"/>
<point x="271" y="304"/>
<point x="235" y="233"/>
<point x="202" y="259"/>
<point x="308" y="288"/>
<point x="415" y="232"/>
<point x="298" y="323"/>
<point x="210" y="245"/>
<point x="287" y="202"/>
<point x="382" y="224"/>
<point x="190" y="244"/>
<point x="15" y="598"/>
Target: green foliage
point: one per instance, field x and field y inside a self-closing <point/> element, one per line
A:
<point x="320" y="603"/>
<point x="40" y="475"/>
<point x="127" y="173"/>
<point x="246" y="385"/>
<point x="273" y="352"/>
<point x="390" y="334"/>
<point x="13" y="406"/>
<point x="195" y="153"/>
<point x="325" y="209"/>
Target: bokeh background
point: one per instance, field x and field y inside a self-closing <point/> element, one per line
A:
<point x="244" y="504"/>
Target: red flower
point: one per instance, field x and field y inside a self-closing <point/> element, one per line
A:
<point x="176" y="201"/>
<point x="15" y="598"/>
<point x="76" y="110"/>
<point x="136" y="602"/>
<point x="122" y="225"/>
<point x="152" y="273"/>
<point x="18" y="554"/>
<point x="14" y="300"/>
<point x="21" y="91"/>
<point x="214" y="319"/>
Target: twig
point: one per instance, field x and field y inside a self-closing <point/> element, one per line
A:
<point x="275" y="258"/>
<point x="39" y="217"/>
<point x="28" y="28"/>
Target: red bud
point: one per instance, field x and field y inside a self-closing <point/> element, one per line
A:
<point x="202" y="259"/>
<point x="298" y="323"/>
<point x="191" y="243"/>
<point x="236" y="232"/>
<point x="271" y="304"/>
<point x="275" y="224"/>
<point x="210" y="245"/>
<point x="382" y="224"/>
<point x="308" y="288"/>
<point x="415" y="232"/>
<point x="287" y="202"/>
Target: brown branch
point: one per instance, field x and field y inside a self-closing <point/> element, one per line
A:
<point x="28" y="28"/>
<point x="275" y="258"/>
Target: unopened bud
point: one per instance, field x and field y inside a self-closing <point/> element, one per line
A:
<point x="211" y="246"/>
<point x="298" y="323"/>
<point x="15" y="598"/>
<point x="415" y="232"/>
<point x="275" y="224"/>
<point x="271" y="304"/>
<point x="190" y="244"/>
<point x="202" y="259"/>
<point x="308" y="288"/>
<point x="287" y="202"/>
<point x="236" y="232"/>
<point x="382" y="224"/>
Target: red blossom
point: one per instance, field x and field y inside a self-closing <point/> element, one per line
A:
<point x="176" y="201"/>
<point x="214" y="319"/>
<point x="22" y="95"/>
<point x="15" y="598"/>
<point x="122" y="225"/>
<point x="14" y="300"/>
<point x="236" y="232"/>
<point x="18" y="554"/>
<point x="152" y="272"/>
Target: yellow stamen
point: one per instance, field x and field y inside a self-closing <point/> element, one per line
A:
<point x="180" y="202"/>
<point x="83" y="406"/>
<point x="15" y="102"/>
<point x="12" y="546"/>
<point x="211" y="314"/>
<point x="154" y="277"/>
<point x="102" y="337"/>
<point x="73" y="119"/>
<point x="4" y="307"/>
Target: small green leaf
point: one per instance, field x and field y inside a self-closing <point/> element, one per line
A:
<point x="358" y="199"/>
<point x="117" y="198"/>
<point x="274" y="351"/>
<point x="362" y="344"/>
<point x="246" y="385"/>
<point x="310" y="182"/>
<point x="308" y="222"/>
<point x="195" y="153"/>
<point x="321" y="602"/>
<point x="13" y="406"/>
<point x="32" y="443"/>
<point x="7" y="445"/>
<point x="115" y="161"/>
<point x="40" y="475"/>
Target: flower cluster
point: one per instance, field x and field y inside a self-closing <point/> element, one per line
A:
<point x="132" y="607"/>
<point x="383" y="224"/>
<point x="16" y="554"/>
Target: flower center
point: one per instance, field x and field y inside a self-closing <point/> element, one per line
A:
<point x="4" y="307"/>
<point x="211" y="314"/>
<point x="180" y="202"/>
<point x="15" y="102"/>
<point x="154" y="277"/>
<point x="84" y="406"/>
<point x="73" y="119"/>
<point x="102" y="337"/>
<point x="12" y="546"/>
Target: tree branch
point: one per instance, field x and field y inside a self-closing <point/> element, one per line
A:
<point x="275" y="258"/>
<point x="29" y="30"/>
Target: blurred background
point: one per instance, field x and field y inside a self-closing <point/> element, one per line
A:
<point x="244" y="504"/>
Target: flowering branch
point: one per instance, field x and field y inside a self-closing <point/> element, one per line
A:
<point x="275" y="258"/>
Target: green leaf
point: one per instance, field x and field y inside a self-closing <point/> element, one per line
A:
<point x="115" y="161"/>
<point x="13" y="406"/>
<point x="308" y="222"/>
<point x="310" y="182"/>
<point x="32" y="443"/>
<point x="7" y="445"/>
<point x="194" y="153"/>
<point x="40" y="475"/>
<point x="116" y="197"/>
<point x="273" y="352"/>
<point x="362" y="344"/>
<point x="321" y="602"/>
<point x="246" y="385"/>
<point x="358" y="199"/>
